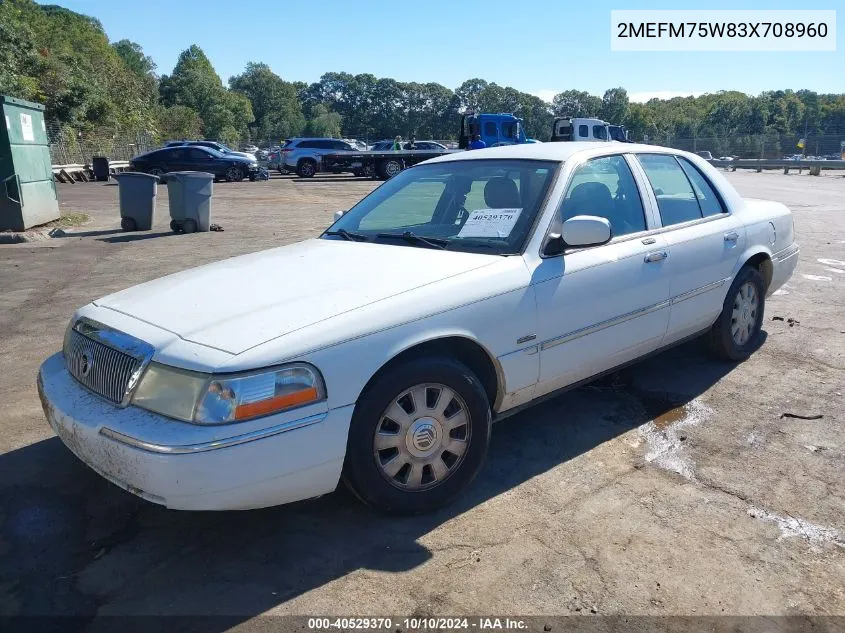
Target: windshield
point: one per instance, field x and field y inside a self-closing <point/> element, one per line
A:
<point x="484" y="206"/>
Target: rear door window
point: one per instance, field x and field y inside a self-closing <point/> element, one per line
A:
<point x="676" y="199"/>
<point x="708" y="200"/>
<point x="600" y="132"/>
<point x="584" y="131"/>
<point x="490" y="129"/>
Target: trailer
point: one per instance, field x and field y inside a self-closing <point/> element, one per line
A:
<point x="378" y="164"/>
<point x="494" y="129"/>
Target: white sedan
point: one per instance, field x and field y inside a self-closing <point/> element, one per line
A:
<point x="379" y="353"/>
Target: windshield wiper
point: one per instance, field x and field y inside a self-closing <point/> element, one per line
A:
<point x="347" y="235"/>
<point x="413" y="238"/>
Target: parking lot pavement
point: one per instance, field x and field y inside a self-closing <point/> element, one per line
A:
<point x="677" y="486"/>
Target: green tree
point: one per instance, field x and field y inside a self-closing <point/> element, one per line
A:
<point x="324" y="123"/>
<point x="195" y="84"/>
<point x="576" y="103"/>
<point x="275" y="106"/>
<point x="20" y="64"/>
<point x="469" y="94"/>
<point x="178" y="122"/>
<point x="133" y="57"/>
<point x="614" y="105"/>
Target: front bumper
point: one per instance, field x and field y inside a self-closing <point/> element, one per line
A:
<point x="277" y="459"/>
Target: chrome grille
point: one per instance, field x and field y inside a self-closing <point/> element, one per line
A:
<point x="96" y="362"/>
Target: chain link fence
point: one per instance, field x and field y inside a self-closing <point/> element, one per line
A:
<point x="759" y="146"/>
<point x="69" y="146"/>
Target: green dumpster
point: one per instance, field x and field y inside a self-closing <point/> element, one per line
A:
<point x="27" y="189"/>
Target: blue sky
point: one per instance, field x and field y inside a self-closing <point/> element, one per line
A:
<point x="538" y="46"/>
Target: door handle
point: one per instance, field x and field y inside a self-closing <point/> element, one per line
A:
<point x="18" y="183"/>
<point x="656" y="256"/>
<point x="733" y="236"/>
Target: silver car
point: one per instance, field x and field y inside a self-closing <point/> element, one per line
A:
<point x="303" y="155"/>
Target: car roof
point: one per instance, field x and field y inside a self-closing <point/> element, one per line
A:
<point x="556" y="151"/>
<point x="315" y="138"/>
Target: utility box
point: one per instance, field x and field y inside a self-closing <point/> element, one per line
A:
<point x="27" y="189"/>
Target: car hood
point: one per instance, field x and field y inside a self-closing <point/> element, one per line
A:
<point x="239" y="303"/>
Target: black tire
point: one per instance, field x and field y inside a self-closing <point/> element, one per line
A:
<point x="189" y="226"/>
<point x="175" y="226"/>
<point x="128" y="224"/>
<point x="234" y="174"/>
<point x="366" y="479"/>
<point x="721" y="339"/>
<point x="306" y="168"/>
<point x="387" y="169"/>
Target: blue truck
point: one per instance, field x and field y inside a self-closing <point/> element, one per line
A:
<point x="494" y="130"/>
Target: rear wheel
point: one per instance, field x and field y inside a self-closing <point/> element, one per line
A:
<point x="306" y="168"/>
<point x="128" y="224"/>
<point x="736" y="332"/>
<point x="189" y="226"/>
<point x="418" y="437"/>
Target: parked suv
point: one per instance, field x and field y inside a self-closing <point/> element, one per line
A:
<point x="303" y="155"/>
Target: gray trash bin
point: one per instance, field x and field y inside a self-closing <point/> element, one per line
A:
<point x="137" y="200"/>
<point x="189" y="194"/>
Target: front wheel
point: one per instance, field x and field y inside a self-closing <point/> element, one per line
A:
<point x="234" y="174"/>
<point x="306" y="168"/>
<point x="735" y="334"/>
<point x="418" y="437"/>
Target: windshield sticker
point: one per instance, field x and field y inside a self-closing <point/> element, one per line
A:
<point x="490" y="223"/>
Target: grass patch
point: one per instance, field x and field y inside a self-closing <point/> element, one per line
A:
<point x="68" y="220"/>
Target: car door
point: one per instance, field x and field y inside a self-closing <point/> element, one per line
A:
<point x="169" y="158"/>
<point x="199" y="159"/>
<point x="705" y="241"/>
<point x="602" y="306"/>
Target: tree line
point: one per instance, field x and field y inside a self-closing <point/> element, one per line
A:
<point x="65" y="60"/>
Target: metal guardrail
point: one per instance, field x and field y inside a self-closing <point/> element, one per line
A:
<point x="814" y="166"/>
<point x="84" y="173"/>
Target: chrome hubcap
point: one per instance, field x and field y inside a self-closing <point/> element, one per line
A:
<point x="393" y="168"/>
<point x="744" y="314"/>
<point x="422" y="437"/>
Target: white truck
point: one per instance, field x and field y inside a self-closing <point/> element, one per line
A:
<point x="587" y="129"/>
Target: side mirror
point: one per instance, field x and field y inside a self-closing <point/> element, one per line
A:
<point x="554" y="245"/>
<point x="586" y="230"/>
<point x="338" y="215"/>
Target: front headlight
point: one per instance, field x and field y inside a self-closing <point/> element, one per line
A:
<point x="209" y="399"/>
